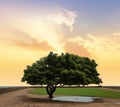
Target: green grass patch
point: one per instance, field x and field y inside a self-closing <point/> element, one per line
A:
<point x="96" y="92"/>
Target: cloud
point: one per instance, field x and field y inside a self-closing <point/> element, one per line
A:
<point x="34" y="28"/>
<point x="44" y="27"/>
<point x="24" y="39"/>
<point x="66" y="17"/>
<point x="99" y="45"/>
<point x="35" y="45"/>
<point x="75" y="48"/>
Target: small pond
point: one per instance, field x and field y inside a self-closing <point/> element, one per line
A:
<point x="75" y="98"/>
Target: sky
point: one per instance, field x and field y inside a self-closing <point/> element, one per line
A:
<point x="30" y="29"/>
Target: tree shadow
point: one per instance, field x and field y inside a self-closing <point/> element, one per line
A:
<point x="40" y="100"/>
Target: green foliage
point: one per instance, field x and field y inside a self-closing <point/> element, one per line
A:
<point x="64" y="69"/>
<point x="97" y="92"/>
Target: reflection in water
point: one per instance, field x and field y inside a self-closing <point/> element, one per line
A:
<point x="75" y="98"/>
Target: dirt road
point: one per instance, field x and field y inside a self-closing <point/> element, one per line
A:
<point x="21" y="98"/>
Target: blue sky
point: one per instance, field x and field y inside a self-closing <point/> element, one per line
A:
<point x="92" y="13"/>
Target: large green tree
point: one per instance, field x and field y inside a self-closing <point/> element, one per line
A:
<point x="66" y="69"/>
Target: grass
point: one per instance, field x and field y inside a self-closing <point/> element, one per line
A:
<point x="96" y="92"/>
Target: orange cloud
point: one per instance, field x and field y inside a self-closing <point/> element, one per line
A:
<point x="23" y="39"/>
<point x="35" y="45"/>
<point x="75" y="48"/>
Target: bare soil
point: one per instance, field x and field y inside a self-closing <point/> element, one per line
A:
<point x="21" y="98"/>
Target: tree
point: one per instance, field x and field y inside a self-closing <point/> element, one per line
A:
<point x="67" y="69"/>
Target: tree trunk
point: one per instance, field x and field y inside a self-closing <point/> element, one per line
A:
<point x="50" y="90"/>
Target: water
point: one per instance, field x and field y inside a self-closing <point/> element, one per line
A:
<point x="75" y="98"/>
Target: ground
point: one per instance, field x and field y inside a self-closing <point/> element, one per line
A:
<point x="21" y="98"/>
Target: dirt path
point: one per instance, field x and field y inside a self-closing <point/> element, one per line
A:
<point x="21" y="98"/>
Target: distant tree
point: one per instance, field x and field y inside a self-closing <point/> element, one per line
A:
<point x="67" y="69"/>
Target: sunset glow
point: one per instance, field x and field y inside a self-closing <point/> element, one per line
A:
<point x="30" y="29"/>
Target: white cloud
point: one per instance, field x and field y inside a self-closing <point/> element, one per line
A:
<point x="66" y="17"/>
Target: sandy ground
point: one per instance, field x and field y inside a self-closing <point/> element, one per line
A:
<point x="21" y="98"/>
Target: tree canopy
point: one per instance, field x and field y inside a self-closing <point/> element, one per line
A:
<point x="67" y="69"/>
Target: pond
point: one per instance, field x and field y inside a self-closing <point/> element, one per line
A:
<point x="74" y="98"/>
